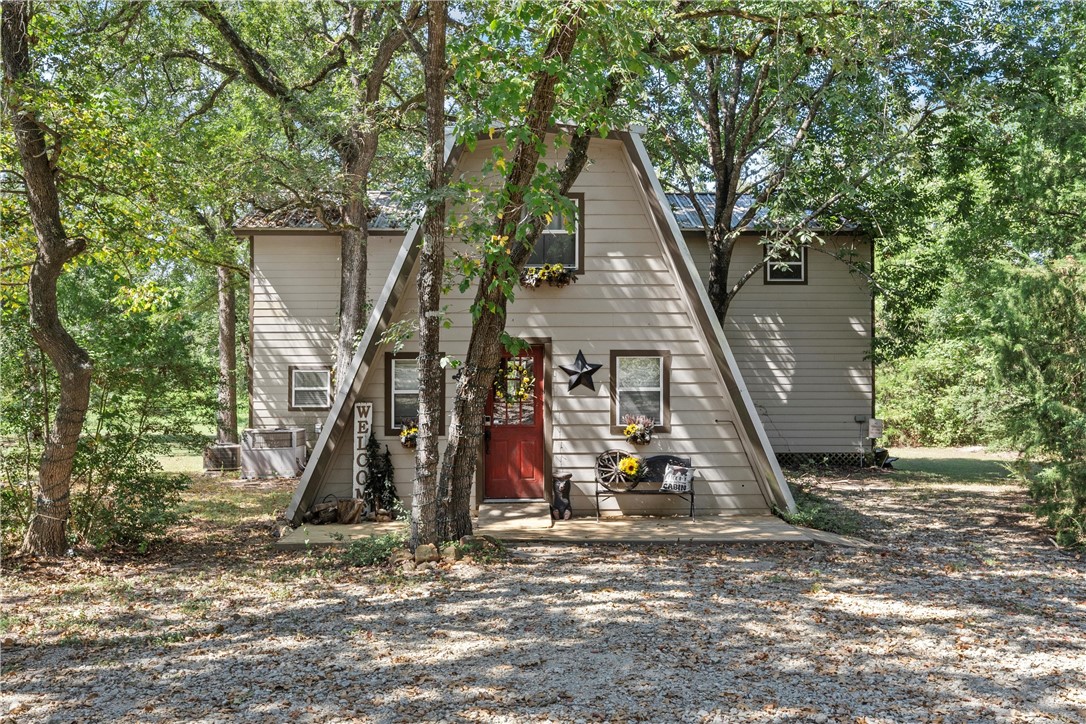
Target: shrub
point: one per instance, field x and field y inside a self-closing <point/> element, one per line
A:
<point x="16" y="492"/>
<point x="120" y="496"/>
<point x="1036" y="327"/>
<point x="940" y="397"/>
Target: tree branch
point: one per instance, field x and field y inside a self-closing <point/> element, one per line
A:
<point x="209" y="102"/>
<point x="339" y="62"/>
<point x="202" y="59"/>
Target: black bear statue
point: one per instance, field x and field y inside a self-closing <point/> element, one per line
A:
<point x="560" y="507"/>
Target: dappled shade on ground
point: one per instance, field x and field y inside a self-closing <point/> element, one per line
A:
<point x="965" y="612"/>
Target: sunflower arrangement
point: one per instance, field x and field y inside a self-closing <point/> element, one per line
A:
<point x="555" y="274"/>
<point x="638" y="429"/>
<point x="409" y="434"/>
<point x="630" y="467"/>
<point x="517" y="383"/>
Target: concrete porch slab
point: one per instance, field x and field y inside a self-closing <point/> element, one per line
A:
<point x="515" y="527"/>
<point x="513" y="516"/>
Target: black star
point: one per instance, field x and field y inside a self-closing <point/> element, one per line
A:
<point x="581" y="372"/>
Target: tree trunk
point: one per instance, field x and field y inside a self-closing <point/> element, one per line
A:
<point x="353" y="244"/>
<point x="429" y="505"/>
<point x="227" y="416"/>
<point x="721" y="245"/>
<point x="47" y="532"/>
<point x="484" y="347"/>
<point x="464" y="444"/>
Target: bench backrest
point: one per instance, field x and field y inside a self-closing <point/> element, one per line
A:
<point x="657" y="464"/>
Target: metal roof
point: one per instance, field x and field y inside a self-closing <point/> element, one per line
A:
<point x="391" y="217"/>
<point x="388" y="216"/>
<point x="687" y="216"/>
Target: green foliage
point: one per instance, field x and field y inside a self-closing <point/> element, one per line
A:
<point x="484" y="550"/>
<point x="153" y="367"/>
<point x="940" y="396"/>
<point x="815" y="511"/>
<point x="1037" y="334"/>
<point x="373" y="551"/>
<point x="120" y="495"/>
<point x="18" y="467"/>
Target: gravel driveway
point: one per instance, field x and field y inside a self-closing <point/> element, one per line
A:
<point x="965" y="612"/>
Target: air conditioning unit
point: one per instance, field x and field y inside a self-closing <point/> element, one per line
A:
<point x="273" y="452"/>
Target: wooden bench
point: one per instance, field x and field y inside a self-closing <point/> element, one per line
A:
<point x="611" y="484"/>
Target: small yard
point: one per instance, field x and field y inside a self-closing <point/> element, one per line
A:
<point x="964" y="612"/>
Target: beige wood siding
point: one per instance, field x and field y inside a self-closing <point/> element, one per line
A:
<point x="803" y="349"/>
<point x="295" y="308"/>
<point x="626" y="299"/>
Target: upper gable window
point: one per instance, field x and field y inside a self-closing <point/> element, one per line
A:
<point x="790" y="268"/>
<point x="310" y="388"/>
<point x="558" y="245"/>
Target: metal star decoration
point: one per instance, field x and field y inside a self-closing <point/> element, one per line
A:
<point x="580" y="373"/>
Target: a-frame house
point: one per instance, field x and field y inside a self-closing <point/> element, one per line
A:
<point x="638" y="309"/>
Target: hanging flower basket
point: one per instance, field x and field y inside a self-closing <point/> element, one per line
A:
<point x="555" y="275"/>
<point x="409" y="434"/>
<point x="638" y="429"/>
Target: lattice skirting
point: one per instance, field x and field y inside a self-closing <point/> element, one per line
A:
<point x="828" y="459"/>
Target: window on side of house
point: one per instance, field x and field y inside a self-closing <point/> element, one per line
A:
<point x="402" y="392"/>
<point x="640" y="385"/>
<point x="558" y="245"/>
<point x="310" y="388"/>
<point x="788" y="268"/>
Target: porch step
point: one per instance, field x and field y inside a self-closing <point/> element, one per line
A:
<point x="495" y="518"/>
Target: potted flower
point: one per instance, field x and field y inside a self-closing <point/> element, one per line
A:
<point x="409" y="434"/>
<point x="638" y="429"/>
<point x="555" y="274"/>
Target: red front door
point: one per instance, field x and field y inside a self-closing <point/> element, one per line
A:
<point x="514" y="447"/>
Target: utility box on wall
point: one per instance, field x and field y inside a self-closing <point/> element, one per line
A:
<point x="273" y="452"/>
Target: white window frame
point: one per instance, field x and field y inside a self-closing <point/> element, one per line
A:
<point x="395" y="423"/>
<point x="774" y="266"/>
<point x="578" y="238"/>
<point x="663" y="424"/>
<point x="295" y="388"/>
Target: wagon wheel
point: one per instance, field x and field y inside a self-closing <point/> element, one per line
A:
<point x="608" y="474"/>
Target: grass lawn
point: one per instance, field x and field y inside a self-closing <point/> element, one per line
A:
<point x="966" y="465"/>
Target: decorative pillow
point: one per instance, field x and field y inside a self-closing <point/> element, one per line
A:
<point x="677" y="478"/>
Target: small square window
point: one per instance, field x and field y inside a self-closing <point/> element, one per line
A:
<point x="639" y="386"/>
<point x="789" y="268"/>
<point x="558" y="245"/>
<point x="310" y="388"/>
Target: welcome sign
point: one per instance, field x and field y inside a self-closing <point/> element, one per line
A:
<point x="363" y="428"/>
